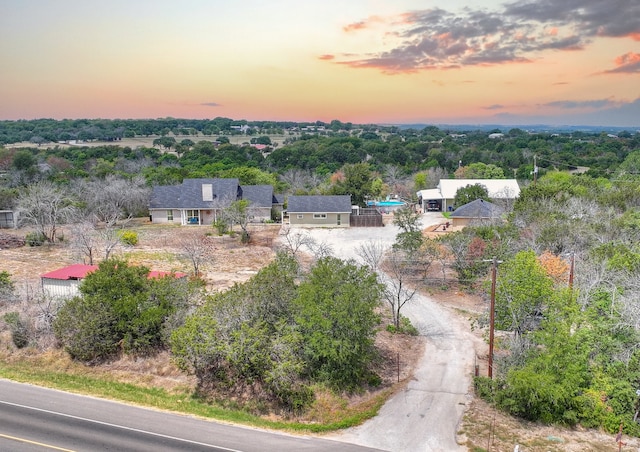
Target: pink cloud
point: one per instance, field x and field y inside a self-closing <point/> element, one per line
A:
<point x="363" y="24"/>
<point x="628" y="58"/>
<point x="629" y="63"/>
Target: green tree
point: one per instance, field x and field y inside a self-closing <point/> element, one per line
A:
<point x="243" y="341"/>
<point x="24" y="160"/>
<point x="238" y="212"/>
<point x="250" y="176"/>
<point x="420" y="181"/>
<point x="479" y="170"/>
<point x="165" y="142"/>
<point x="523" y="292"/>
<point x="470" y="193"/>
<point x="6" y="287"/>
<point x="409" y="239"/>
<point x="335" y="312"/>
<point x="119" y="309"/>
<point x="552" y="385"/>
<point x="357" y="182"/>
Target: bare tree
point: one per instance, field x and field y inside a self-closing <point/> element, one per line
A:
<point x="397" y="268"/>
<point x="298" y="180"/>
<point x="293" y="241"/>
<point x="398" y="292"/>
<point x="198" y="249"/>
<point x="434" y="175"/>
<point x="84" y="241"/>
<point x="320" y="250"/>
<point x="397" y="181"/>
<point x="424" y="257"/>
<point x="371" y="252"/>
<point x="442" y="257"/>
<point x="45" y="206"/>
<point x="112" y="199"/>
<point x="109" y="240"/>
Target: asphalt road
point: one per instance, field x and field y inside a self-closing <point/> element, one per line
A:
<point x="40" y="419"/>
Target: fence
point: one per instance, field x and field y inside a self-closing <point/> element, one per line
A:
<point x="366" y="218"/>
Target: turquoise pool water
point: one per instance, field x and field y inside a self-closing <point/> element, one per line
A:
<point x="385" y="203"/>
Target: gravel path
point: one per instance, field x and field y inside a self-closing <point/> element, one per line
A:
<point x="426" y="414"/>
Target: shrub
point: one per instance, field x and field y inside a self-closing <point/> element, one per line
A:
<point x="406" y="327"/>
<point x="129" y="238"/>
<point x="221" y="226"/>
<point x="35" y="238"/>
<point x="19" y="329"/>
<point x="120" y="310"/>
<point x="485" y="388"/>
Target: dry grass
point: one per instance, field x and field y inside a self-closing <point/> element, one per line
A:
<point x="488" y="429"/>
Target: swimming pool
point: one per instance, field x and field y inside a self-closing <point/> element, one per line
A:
<point x="385" y="203"/>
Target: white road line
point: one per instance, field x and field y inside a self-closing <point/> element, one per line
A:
<point x="160" y="435"/>
<point x="36" y="443"/>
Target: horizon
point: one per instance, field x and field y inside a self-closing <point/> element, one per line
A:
<point x="458" y="127"/>
<point x="518" y="63"/>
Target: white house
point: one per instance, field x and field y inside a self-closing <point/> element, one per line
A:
<point x="498" y="189"/>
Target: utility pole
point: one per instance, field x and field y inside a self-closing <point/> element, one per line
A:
<point x="573" y="262"/>
<point x="492" y="314"/>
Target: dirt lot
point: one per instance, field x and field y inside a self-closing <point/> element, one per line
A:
<point x="158" y="249"/>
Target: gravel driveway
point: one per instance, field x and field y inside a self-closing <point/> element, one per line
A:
<point x="426" y="414"/>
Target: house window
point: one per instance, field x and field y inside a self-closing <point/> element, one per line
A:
<point x="300" y="216"/>
<point x="169" y="215"/>
<point x="339" y="220"/>
<point x="319" y="216"/>
<point x="193" y="216"/>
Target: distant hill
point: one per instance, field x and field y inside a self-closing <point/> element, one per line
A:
<point x="527" y="127"/>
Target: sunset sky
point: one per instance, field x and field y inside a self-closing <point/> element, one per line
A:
<point x="558" y="62"/>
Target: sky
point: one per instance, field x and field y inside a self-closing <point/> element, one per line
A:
<point x="556" y="62"/>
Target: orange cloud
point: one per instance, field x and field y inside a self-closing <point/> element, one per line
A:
<point x="627" y="58"/>
<point x="363" y="24"/>
<point x="326" y="57"/>
<point x="355" y="26"/>
<point x="629" y="63"/>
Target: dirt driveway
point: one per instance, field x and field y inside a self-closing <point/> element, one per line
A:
<point x="426" y="414"/>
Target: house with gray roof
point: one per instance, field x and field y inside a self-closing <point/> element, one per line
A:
<point x="262" y="201"/>
<point x="318" y="211"/>
<point x="200" y="201"/>
<point x="477" y="212"/>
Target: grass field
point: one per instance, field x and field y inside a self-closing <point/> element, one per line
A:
<point x="136" y="142"/>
